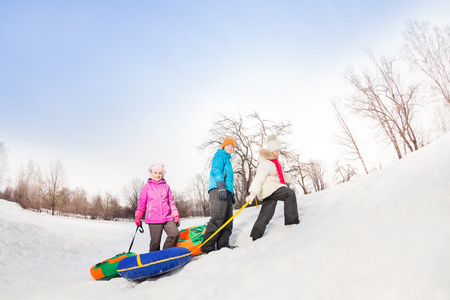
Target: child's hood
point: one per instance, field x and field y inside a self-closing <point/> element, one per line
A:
<point x="265" y="154"/>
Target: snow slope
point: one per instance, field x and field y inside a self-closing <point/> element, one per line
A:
<point x="385" y="235"/>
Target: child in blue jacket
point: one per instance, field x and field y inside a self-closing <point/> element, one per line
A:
<point x="221" y="198"/>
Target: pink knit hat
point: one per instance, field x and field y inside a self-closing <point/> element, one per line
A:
<point x="157" y="168"/>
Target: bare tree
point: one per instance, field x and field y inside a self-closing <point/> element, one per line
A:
<point x="298" y="171"/>
<point x="29" y="189"/>
<point x="79" y="201"/>
<point x="316" y="173"/>
<point x="65" y="198"/>
<point x="345" y="138"/>
<point x="116" y="209"/>
<point x="54" y="184"/>
<point x="182" y="204"/>
<point x="7" y="193"/>
<point x="250" y="134"/>
<point x="111" y="207"/>
<point x="200" y="193"/>
<point x="194" y="206"/>
<point x="132" y="192"/>
<point x="344" y="173"/>
<point x="441" y="120"/>
<point x="427" y="48"/>
<point x="35" y="180"/>
<point x="244" y="158"/>
<point x="107" y="200"/>
<point x="384" y="98"/>
<point x="96" y="209"/>
<point x="21" y="191"/>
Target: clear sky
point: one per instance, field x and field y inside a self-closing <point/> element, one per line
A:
<point x="110" y="87"/>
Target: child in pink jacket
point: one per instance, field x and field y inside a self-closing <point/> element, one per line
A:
<point x="157" y="202"/>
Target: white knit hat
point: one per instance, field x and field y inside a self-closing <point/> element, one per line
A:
<point x="272" y="143"/>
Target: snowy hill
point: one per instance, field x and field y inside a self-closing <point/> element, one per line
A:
<point x="381" y="236"/>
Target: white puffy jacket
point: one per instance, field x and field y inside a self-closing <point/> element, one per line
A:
<point x="266" y="180"/>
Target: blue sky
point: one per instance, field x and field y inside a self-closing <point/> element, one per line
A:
<point x="110" y="87"/>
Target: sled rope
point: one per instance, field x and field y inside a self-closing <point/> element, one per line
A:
<point x="225" y="224"/>
<point x="140" y="230"/>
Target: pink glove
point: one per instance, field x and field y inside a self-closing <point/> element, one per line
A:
<point x="138" y="216"/>
<point x="176" y="217"/>
<point x="177" y="220"/>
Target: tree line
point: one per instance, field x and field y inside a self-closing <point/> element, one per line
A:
<point x="389" y="93"/>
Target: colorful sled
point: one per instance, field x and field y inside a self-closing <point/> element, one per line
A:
<point x="191" y="238"/>
<point x="107" y="269"/>
<point x="153" y="263"/>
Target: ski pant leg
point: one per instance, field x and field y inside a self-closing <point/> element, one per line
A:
<point x="268" y="209"/>
<point x="290" y="204"/>
<point x="218" y="210"/>
<point x="155" y="236"/>
<point x="172" y="233"/>
<point x="225" y="233"/>
<point x="264" y="217"/>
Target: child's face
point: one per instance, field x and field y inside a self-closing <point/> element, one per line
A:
<point x="276" y="153"/>
<point x="157" y="175"/>
<point x="229" y="148"/>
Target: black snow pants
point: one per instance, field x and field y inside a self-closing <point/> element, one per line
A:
<point x="268" y="209"/>
<point x="221" y="211"/>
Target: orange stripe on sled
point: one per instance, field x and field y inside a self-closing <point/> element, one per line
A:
<point x="97" y="273"/>
<point x="188" y="244"/>
<point x="187" y="241"/>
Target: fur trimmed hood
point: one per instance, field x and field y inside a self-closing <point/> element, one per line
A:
<point x="265" y="154"/>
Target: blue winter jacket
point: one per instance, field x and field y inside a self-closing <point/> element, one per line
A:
<point x="220" y="165"/>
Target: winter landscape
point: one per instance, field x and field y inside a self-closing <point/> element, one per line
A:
<point x="385" y="235"/>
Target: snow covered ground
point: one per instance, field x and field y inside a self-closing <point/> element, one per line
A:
<point x="385" y="235"/>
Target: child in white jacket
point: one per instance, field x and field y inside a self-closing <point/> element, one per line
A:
<point x="269" y="185"/>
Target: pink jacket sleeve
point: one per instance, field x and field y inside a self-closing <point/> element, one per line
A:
<point x="142" y="203"/>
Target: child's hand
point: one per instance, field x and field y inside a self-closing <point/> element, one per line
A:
<point x="138" y="216"/>
<point x="177" y="220"/>
<point x="250" y="198"/>
<point x="222" y="192"/>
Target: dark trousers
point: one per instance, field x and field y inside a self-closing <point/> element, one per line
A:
<point x="221" y="211"/>
<point x="268" y="209"/>
<point x="156" y="230"/>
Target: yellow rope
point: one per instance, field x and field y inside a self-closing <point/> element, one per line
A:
<point x="138" y="258"/>
<point x="226" y="223"/>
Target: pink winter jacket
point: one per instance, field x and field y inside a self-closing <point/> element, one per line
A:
<point x="157" y="202"/>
